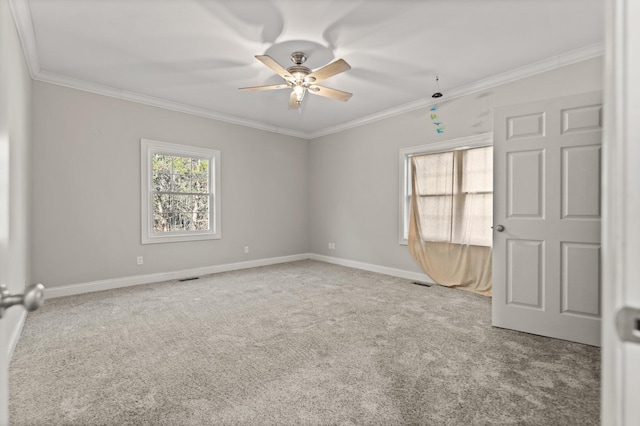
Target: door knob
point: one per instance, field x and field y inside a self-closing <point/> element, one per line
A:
<point x="32" y="298"/>
<point x="498" y="228"/>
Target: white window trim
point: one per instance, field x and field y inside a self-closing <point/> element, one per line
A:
<point x="404" y="168"/>
<point x="150" y="147"/>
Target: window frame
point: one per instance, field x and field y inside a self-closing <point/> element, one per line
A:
<point x="148" y="148"/>
<point x="404" y="169"/>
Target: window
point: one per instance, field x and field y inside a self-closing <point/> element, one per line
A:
<point x="435" y="197"/>
<point x="473" y="223"/>
<point x="454" y="192"/>
<point x="180" y="192"/>
<point x="435" y="182"/>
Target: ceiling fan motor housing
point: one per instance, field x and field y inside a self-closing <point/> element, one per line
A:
<point x="299" y="71"/>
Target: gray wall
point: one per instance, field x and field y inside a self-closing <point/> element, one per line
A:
<point x="281" y="195"/>
<point x="86" y="189"/>
<point x="354" y="174"/>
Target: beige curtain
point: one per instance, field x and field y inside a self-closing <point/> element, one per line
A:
<point x="451" y="214"/>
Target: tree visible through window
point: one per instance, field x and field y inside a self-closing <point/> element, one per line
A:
<point x="181" y="197"/>
<point x="181" y="192"/>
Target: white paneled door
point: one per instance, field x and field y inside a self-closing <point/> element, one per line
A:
<point x="546" y="254"/>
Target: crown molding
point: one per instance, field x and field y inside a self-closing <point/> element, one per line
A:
<point x="24" y="25"/>
<point x="539" y="67"/>
<point x="22" y="17"/>
<point x="100" y="89"/>
<point x="549" y="64"/>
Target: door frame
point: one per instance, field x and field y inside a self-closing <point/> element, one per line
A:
<point x="621" y="200"/>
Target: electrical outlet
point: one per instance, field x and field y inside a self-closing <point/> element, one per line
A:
<point x="329" y="246"/>
<point x="246" y="249"/>
<point x="332" y="246"/>
<point x="140" y="260"/>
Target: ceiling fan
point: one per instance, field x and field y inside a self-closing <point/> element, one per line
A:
<point x="301" y="79"/>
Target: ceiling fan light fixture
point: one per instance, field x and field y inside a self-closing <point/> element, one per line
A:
<point x="299" y="91"/>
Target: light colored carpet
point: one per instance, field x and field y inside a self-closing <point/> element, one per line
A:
<point x="299" y="343"/>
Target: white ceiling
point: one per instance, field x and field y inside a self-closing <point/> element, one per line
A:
<point x="193" y="55"/>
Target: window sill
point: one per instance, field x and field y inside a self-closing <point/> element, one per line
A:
<point x="179" y="238"/>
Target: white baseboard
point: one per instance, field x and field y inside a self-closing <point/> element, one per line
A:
<point x="16" y="332"/>
<point x="68" y="290"/>
<point x="400" y="273"/>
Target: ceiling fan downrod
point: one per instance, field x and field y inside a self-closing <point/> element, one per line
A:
<point x="298" y="58"/>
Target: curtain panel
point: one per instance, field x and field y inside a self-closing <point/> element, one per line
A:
<point x="450" y="233"/>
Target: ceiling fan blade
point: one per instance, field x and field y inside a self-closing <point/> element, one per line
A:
<point x="270" y="87"/>
<point x="293" y="101"/>
<point x="271" y="63"/>
<point x="327" y="92"/>
<point x="327" y="71"/>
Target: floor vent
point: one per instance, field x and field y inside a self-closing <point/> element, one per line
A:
<point x="422" y="284"/>
<point x="189" y="279"/>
